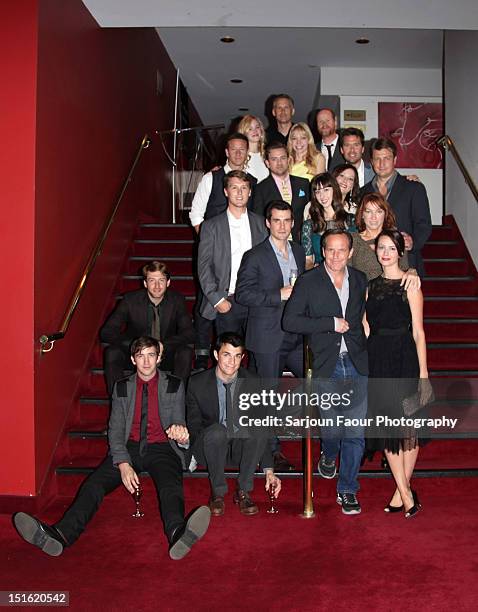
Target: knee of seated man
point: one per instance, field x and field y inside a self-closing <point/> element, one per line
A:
<point x="215" y="433"/>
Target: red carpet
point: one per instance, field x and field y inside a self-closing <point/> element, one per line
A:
<point x="372" y="561"/>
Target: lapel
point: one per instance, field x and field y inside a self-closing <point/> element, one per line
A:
<point x="224" y="244"/>
<point x="299" y="259"/>
<point x="166" y="312"/>
<point x="210" y="394"/>
<point x="295" y="189"/>
<point x="141" y="314"/>
<point x="275" y="192"/>
<point x="333" y="296"/>
<point x="272" y="259"/>
<point x="256" y="224"/>
<point x="352" y="293"/>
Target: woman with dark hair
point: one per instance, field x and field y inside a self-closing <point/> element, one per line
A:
<point x="326" y="212"/>
<point x="397" y="360"/>
<point x="373" y="215"/>
<point x="348" y="181"/>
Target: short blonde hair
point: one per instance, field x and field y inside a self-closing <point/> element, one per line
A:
<point x="245" y="124"/>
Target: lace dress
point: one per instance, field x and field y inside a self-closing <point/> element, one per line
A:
<point x="392" y="355"/>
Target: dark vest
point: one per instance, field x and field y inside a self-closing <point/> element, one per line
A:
<point x="217" y="202"/>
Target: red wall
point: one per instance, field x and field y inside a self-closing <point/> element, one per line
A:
<point x="18" y="58"/>
<point x="96" y="98"/>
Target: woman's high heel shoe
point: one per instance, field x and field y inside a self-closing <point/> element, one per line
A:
<point x="412" y="511"/>
<point x="416" y="501"/>
<point x="392" y="509"/>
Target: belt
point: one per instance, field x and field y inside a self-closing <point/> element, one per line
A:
<point x="396" y="331"/>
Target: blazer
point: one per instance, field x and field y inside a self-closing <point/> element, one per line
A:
<point x="368" y="173"/>
<point x="311" y="309"/>
<point x="214" y="259"/>
<point x="337" y="157"/>
<point x="129" y="320"/>
<point x="267" y="191"/>
<point x="259" y="282"/>
<point x="410" y="204"/>
<point x="171" y="412"/>
<point x="202" y="405"/>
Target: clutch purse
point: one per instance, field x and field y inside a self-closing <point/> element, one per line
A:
<point x="423" y="396"/>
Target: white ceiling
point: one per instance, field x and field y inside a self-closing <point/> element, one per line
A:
<point x="276" y="50"/>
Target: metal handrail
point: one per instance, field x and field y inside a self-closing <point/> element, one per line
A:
<point x="308" y="469"/>
<point x="447" y="143"/>
<point x="47" y="341"/>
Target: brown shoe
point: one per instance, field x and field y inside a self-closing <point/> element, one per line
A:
<point x="217" y="505"/>
<point x="246" y="505"/>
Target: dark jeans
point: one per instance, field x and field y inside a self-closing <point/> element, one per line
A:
<point x="164" y="467"/>
<point x="234" y="320"/>
<point x="117" y="359"/>
<point x="216" y="451"/>
<point x="348" y="442"/>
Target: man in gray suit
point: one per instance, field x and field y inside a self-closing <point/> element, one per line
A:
<point x="147" y="427"/>
<point x="224" y="239"/>
<point x="352" y="147"/>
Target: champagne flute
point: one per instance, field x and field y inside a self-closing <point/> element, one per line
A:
<point x="272" y="499"/>
<point x="292" y="276"/>
<point x="138" y="492"/>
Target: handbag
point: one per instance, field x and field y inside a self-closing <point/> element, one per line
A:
<point x="423" y="396"/>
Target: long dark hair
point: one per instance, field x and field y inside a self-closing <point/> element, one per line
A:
<point x="319" y="224"/>
<point x="352" y="197"/>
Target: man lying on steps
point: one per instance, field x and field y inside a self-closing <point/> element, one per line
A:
<point x="145" y="432"/>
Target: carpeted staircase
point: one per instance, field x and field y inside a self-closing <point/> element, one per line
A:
<point x="451" y="325"/>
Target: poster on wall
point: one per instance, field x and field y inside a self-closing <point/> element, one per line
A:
<point x="414" y="127"/>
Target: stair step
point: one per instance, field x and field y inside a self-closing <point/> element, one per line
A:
<point x="443" y="232"/>
<point x="450" y="286"/>
<point x="461" y="358"/>
<point x="445" y="248"/>
<point x="166" y="231"/>
<point x="156" y="249"/>
<point x="452" y="307"/>
<point x="448" y="330"/>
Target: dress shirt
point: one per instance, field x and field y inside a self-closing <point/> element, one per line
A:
<point x="201" y="197"/>
<point x="390" y="183"/>
<point x="241" y="241"/>
<point x="155" y="429"/>
<point x="281" y="183"/>
<point x="344" y="298"/>
<point x="286" y="265"/>
<point x="361" y="173"/>
<point x="221" y="396"/>
<point x="325" y="151"/>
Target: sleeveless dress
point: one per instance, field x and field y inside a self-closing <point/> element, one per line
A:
<point x="392" y="355"/>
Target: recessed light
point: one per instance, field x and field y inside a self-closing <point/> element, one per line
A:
<point x="362" y="41"/>
<point x="236" y="80"/>
<point x="227" y="39"/>
<point x="243" y="109"/>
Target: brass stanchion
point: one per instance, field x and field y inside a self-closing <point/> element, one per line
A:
<point x="308" y="493"/>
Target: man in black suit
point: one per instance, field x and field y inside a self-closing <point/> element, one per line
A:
<point x="327" y="304"/>
<point x="282" y="111"/>
<point x="212" y="403"/>
<point x="408" y="198"/>
<point x="156" y="311"/>
<point x="280" y="185"/>
<point x="264" y="284"/>
<point x="328" y="144"/>
<point x="146" y="432"/>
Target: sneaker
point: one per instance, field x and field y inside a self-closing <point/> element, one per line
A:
<point x="326" y="468"/>
<point x="349" y="503"/>
<point x="39" y="534"/>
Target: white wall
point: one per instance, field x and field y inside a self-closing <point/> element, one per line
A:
<point x="362" y="89"/>
<point x="461" y="123"/>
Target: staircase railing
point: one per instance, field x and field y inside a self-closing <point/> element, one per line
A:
<point x="47" y="341"/>
<point x="447" y="143"/>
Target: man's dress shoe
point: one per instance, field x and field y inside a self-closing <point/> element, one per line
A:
<point x="39" y="534"/>
<point x="217" y="505"/>
<point x="246" y="505"/>
<point x="184" y="538"/>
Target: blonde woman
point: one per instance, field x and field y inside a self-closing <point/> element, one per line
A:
<point x="304" y="159"/>
<point x="253" y="129"/>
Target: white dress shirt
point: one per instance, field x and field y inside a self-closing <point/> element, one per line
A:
<point x="241" y="241"/>
<point x="201" y="197"/>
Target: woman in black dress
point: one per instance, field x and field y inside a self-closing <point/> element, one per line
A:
<point x="397" y="350"/>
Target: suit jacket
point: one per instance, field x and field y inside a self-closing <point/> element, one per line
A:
<point x="368" y="173"/>
<point x="337" y="157"/>
<point x="259" y="282"/>
<point x="214" y="259"/>
<point x="267" y="191"/>
<point x="311" y="309"/>
<point x="129" y="320"/>
<point x="171" y="412"/>
<point x="202" y="404"/>
<point x="410" y="204"/>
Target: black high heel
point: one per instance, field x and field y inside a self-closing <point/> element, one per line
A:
<point x="392" y="509"/>
<point x="416" y="501"/>
<point x="412" y="511"/>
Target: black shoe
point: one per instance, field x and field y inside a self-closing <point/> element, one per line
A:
<point x="281" y="463"/>
<point x="184" y="539"/>
<point x="413" y="510"/>
<point x="326" y="468"/>
<point x="392" y="509"/>
<point x="39" y="534"/>
<point x="349" y="503"/>
<point x="416" y="501"/>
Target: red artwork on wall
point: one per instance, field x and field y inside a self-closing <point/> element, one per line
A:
<point x="414" y="127"/>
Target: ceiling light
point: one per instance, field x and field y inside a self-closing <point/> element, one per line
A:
<point x="227" y="39"/>
<point x="236" y="80"/>
<point x="362" y="41"/>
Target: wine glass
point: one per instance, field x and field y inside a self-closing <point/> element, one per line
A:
<point x="272" y="499"/>
<point x="292" y="277"/>
<point x="138" y="492"/>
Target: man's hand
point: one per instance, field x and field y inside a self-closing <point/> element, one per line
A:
<point x="285" y="292"/>
<point x="408" y="241"/>
<point x="129" y="477"/>
<point x="178" y="433"/>
<point x="224" y="306"/>
<point x="341" y="325"/>
<point x="274" y="481"/>
<point x="411" y="280"/>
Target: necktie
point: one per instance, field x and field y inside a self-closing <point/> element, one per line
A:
<point x="155" y="326"/>
<point x="143" y="429"/>
<point x="228" y="414"/>
<point x="285" y="192"/>
<point x="329" y="156"/>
